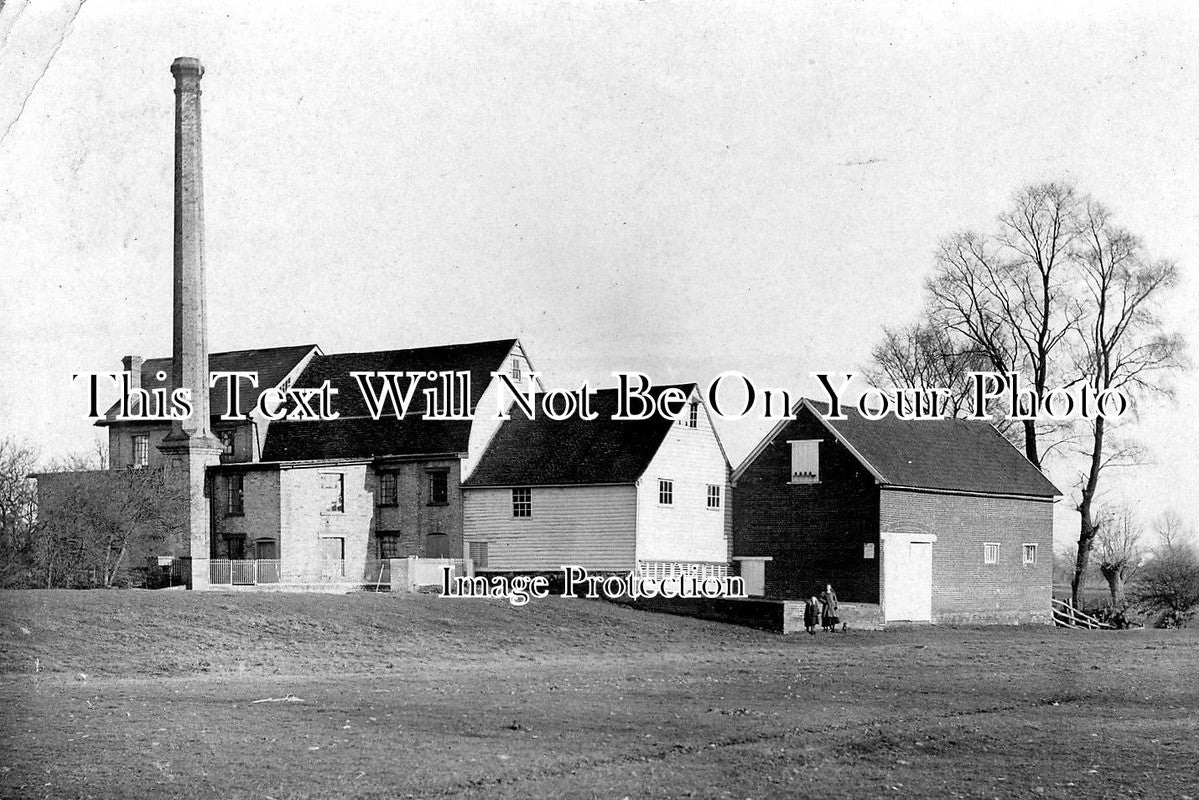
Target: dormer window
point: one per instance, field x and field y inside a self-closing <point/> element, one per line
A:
<point x="805" y="461"/>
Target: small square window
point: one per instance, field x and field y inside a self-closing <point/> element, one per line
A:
<point x="389" y="544"/>
<point x="439" y="488"/>
<point x="234" y="495"/>
<point x="990" y="552"/>
<point x="522" y="502"/>
<point x="666" y="493"/>
<point x="713" y="496"/>
<point x="333" y="488"/>
<point x="388" y="488"/>
<point x="226" y="438"/>
<point x="1030" y="554"/>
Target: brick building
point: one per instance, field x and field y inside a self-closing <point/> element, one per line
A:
<point x="929" y="520"/>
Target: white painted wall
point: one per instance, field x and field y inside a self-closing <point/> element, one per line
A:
<point x="687" y="530"/>
<point x="485" y="425"/>
<point x="591" y="526"/>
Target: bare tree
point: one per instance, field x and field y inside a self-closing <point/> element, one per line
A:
<point x="1121" y="344"/>
<point x="1006" y="295"/>
<point x="1169" y="581"/>
<point x="18" y="510"/>
<point x="924" y="356"/>
<point x="95" y="522"/>
<point x="1118" y="551"/>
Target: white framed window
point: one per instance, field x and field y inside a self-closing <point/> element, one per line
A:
<point x="522" y="502"/>
<point x="805" y="461"/>
<point x="693" y="415"/>
<point x="990" y="552"/>
<point x="665" y="492"/>
<point x="333" y="488"/>
<point x="713" y="496"/>
<point x="1030" y="553"/>
<point x="141" y="450"/>
<point x="516" y="370"/>
<point x="868" y="551"/>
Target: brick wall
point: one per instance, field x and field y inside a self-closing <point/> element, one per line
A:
<point x="414" y="517"/>
<point x="814" y="533"/>
<point x="259" y="519"/>
<point x="964" y="588"/>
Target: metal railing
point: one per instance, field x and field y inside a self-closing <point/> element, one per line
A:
<point x="243" y="572"/>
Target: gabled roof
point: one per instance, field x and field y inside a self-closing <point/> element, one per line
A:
<point x="545" y="452"/>
<point x="271" y="363"/>
<point x="355" y="435"/>
<point x="480" y="359"/>
<point x="953" y="455"/>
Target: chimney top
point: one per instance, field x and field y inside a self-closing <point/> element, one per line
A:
<point x="185" y="65"/>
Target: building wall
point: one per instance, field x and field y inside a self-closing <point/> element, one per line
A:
<point x="964" y="588"/>
<point x="414" y="516"/>
<point x="814" y="533"/>
<point x="485" y="424"/>
<point x="590" y="526"/>
<point x="305" y="522"/>
<point x="260" y="506"/>
<point x="120" y="442"/>
<point x="686" y="530"/>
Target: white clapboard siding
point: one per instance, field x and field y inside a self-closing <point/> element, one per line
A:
<point x="590" y="526"/>
<point x="685" y="531"/>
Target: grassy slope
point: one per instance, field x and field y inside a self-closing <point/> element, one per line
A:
<point x="417" y="696"/>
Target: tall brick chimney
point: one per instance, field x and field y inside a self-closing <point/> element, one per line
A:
<point x="190" y="447"/>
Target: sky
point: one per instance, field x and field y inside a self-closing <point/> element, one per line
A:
<point x="677" y="188"/>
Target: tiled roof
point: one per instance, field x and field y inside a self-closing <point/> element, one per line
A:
<point x="354" y="434"/>
<point x="271" y="363"/>
<point x="477" y="358"/>
<point x="547" y="452"/>
<point x="947" y="454"/>
<point x="363" y="438"/>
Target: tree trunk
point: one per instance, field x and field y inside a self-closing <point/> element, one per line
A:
<point x="1115" y="584"/>
<point x="1087" y="525"/>
<point x="1030" y="443"/>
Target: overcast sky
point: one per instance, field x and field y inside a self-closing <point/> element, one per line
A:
<point x="678" y="188"/>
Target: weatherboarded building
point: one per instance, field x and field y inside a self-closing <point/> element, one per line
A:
<point x="604" y="494"/>
<point x="928" y="520"/>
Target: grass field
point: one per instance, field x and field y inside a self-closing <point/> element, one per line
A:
<point x="153" y="695"/>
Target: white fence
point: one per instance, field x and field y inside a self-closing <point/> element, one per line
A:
<point x="660" y="570"/>
<point x="251" y="572"/>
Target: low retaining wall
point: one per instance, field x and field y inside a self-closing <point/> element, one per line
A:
<point x="777" y="616"/>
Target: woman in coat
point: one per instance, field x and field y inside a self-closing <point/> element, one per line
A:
<point x="828" y="609"/>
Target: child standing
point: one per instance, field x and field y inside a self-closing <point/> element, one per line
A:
<point x="811" y="614"/>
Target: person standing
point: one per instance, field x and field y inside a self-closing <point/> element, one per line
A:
<point x="811" y="614"/>
<point x="828" y="609"/>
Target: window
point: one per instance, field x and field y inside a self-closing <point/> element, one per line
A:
<point x="990" y="552"/>
<point x="388" y="482"/>
<point x="478" y="553"/>
<point x="713" y="496"/>
<point x="516" y="374"/>
<point x="868" y="550"/>
<point x="141" y="450"/>
<point x="439" y="488"/>
<point x="389" y="544"/>
<point x="234" y="495"/>
<point x="333" y="490"/>
<point x="522" y="502"/>
<point x="226" y="437"/>
<point x="1030" y="554"/>
<point x="805" y="461"/>
<point x="666" y="493"/>
<point x="693" y="416"/>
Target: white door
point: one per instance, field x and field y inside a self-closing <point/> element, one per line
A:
<point x="754" y="575"/>
<point x="908" y="577"/>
